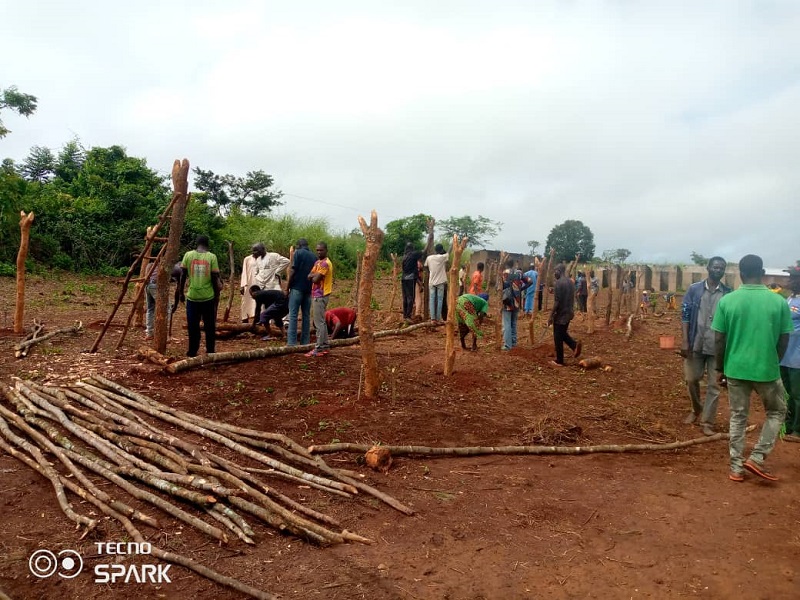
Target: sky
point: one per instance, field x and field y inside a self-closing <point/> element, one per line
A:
<point x="665" y="127"/>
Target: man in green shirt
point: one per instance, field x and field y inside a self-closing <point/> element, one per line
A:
<point x="202" y="269"/>
<point x="752" y="328"/>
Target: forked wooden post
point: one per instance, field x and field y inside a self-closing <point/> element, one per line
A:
<point x="498" y="283"/>
<point x="180" y="183"/>
<point x="369" y="357"/>
<point x="232" y="286"/>
<point x="25" y="222"/>
<point x="394" y="281"/>
<point x="452" y="293"/>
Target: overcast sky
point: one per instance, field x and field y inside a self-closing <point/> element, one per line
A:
<point x="666" y="127"/>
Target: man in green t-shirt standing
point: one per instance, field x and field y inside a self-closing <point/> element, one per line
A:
<point x="202" y="269"/>
<point x="752" y="328"/>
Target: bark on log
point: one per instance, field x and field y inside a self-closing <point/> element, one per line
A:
<point x="369" y="356"/>
<point x="180" y="182"/>
<point x="25" y="222"/>
<point x="232" y="286"/>
<point x="452" y="291"/>
<point x="394" y="282"/>
<point x="592" y="362"/>
<point x="258" y="353"/>
<point x="146" y="353"/>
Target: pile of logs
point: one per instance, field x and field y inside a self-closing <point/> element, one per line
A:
<point x="97" y="429"/>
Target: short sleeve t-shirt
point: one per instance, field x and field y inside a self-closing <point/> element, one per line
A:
<point x="346" y="316"/>
<point x="476" y="286"/>
<point x="752" y="319"/>
<point x="437" y="265"/>
<point x="323" y="288"/>
<point x="792" y="357"/>
<point x="200" y="266"/>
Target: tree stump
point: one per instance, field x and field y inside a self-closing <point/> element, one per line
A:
<point x="369" y="357"/>
<point x="25" y="222"/>
<point x="450" y="324"/>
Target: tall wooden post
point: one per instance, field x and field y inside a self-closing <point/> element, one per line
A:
<point x="232" y="283"/>
<point x="452" y="294"/>
<point x="369" y="357"/>
<point x="25" y="222"/>
<point x="394" y="282"/>
<point x="498" y="286"/>
<point x="426" y="293"/>
<point x="143" y="276"/>
<point x="180" y="184"/>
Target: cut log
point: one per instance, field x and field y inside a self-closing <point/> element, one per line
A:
<point x="592" y="362"/>
<point x="25" y="222"/>
<point x="21" y="349"/>
<point x="452" y="290"/>
<point x="369" y="357"/>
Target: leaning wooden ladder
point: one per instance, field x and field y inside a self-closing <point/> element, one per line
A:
<point x="145" y="255"/>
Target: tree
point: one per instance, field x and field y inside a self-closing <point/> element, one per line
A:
<point x="479" y="230"/>
<point x="398" y="232"/>
<point x="249" y="195"/>
<point x="533" y="245"/>
<point x="70" y="160"/>
<point x="22" y="104"/>
<point x="699" y="259"/>
<point x="616" y="256"/>
<point x="40" y="165"/>
<point x="571" y="238"/>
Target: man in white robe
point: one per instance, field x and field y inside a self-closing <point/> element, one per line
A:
<point x="249" y="268"/>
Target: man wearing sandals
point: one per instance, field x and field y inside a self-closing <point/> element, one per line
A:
<point x="752" y="328"/>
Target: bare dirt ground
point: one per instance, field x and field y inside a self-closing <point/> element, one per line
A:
<point x="658" y="525"/>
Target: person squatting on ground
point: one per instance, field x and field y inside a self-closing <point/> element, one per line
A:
<point x="268" y="270"/>
<point x="752" y="328"/>
<point x="470" y="312"/>
<point x="321" y="278"/>
<point x="530" y="277"/>
<point x="790" y="365"/>
<point x="341" y="323"/>
<point x="248" y="279"/>
<point x="271" y="305"/>
<point x="437" y="281"/>
<point x="151" y="291"/>
<point x="561" y="315"/>
<point x="409" y="279"/>
<point x="201" y="268"/>
<point x="298" y="290"/>
<point x="697" y="342"/>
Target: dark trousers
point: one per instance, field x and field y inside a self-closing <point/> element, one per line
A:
<point x="540" y="298"/>
<point x="408" y="297"/>
<point x="207" y="312"/>
<point x="561" y="336"/>
<point x="582" y="302"/>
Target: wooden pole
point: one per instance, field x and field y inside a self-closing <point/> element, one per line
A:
<point x="180" y="183"/>
<point x="143" y="277"/>
<point x="426" y="293"/>
<point x="232" y="286"/>
<point x="452" y="292"/>
<point x="498" y="286"/>
<point x="369" y="357"/>
<point x="394" y="281"/>
<point x="357" y="283"/>
<point x="25" y="222"/>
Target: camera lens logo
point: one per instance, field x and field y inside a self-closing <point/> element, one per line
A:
<point x="44" y="563"/>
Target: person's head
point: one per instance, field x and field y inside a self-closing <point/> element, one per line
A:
<point x="751" y="268"/>
<point x="591" y="273"/>
<point x="439" y="249"/>
<point x="409" y="247"/>
<point x="481" y="267"/>
<point x="302" y="243"/>
<point x="258" y="250"/>
<point x="254" y="289"/>
<point x="716" y="268"/>
<point x="201" y="241"/>
<point x="794" y="279"/>
<point x="322" y="250"/>
<point x="531" y="267"/>
<point x="558" y="272"/>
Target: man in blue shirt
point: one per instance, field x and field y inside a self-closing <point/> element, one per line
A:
<point x="531" y="277"/>
<point x="790" y="365"/>
<point x="299" y="292"/>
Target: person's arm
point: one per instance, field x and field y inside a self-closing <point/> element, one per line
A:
<point x="291" y="270"/>
<point x="720" y="345"/>
<point x="281" y="262"/>
<point x="182" y="284"/>
<point x="337" y="326"/>
<point x="783" y="344"/>
<point x="243" y="278"/>
<point x="557" y="302"/>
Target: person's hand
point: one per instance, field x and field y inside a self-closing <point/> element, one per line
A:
<point x="721" y="379"/>
<point x="181" y="297"/>
<point x="684" y="352"/>
<point x="549" y="320"/>
<point x="241" y="290"/>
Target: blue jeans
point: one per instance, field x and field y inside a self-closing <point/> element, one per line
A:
<point x="320" y="306"/>
<point x="509" y="328"/>
<point x="299" y="301"/>
<point x="436" y="293"/>
<point x="771" y="393"/>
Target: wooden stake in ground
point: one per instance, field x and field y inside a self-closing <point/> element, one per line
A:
<point x="426" y="312"/>
<point x="144" y="272"/>
<point x="232" y="291"/>
<point x="180" y="183"/>
<point x="25" y="222"/>
<point x="394" y="282"/>
<point x="498" y="284"/>
<point x="452" y="292"/>
<point x="369" y="357"/>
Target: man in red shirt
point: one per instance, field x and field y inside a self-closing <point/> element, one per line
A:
<point x="340" y="322"/>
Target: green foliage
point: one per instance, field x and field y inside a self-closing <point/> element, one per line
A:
<point x="228" y="194"/>
<point x="478" y="230"/>
<point x="699" y="259"/>
<point x="39" y="165"/>
<point x="398" y="232"/>
<point x="570" y="238"/>
<point x="22" y="104"/>
<point x="616" y="256"/>
<point x="12" y="193"/>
